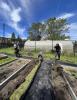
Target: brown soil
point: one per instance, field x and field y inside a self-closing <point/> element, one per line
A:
<point x="14" y="84"/>
<point x="9" y="69"/>
<point x="60" y="87"/>
<point x="70" y="77"/>
<point x="73" y="82"/>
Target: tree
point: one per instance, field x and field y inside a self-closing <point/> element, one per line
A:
<point x="57" y="28"/>
<point x="13" y="37"/>
<point x="52" y="29"/>
<point x="19" y="39"/>
<point x="35" y="31"/>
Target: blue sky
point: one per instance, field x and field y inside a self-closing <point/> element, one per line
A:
<point x="19" y="14"/>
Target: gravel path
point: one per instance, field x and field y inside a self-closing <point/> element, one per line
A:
<point x="41" y="88"/>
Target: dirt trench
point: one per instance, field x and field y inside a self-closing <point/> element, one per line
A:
<point x="41" y="88"/>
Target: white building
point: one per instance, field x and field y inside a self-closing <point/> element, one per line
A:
<point x="46" y="45"/>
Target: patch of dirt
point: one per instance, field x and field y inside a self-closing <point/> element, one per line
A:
<point x="15" y="83"/>
<point x="9" y="69"/>
<point x="73" y="82"/>
<point x="71" y="74"/>
<point x="4" y="74"/>
<point x="59" y="85"/>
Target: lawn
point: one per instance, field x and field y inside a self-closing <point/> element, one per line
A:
<point x="29" y="53"/>
<point x="3" y="61"/>
<point x="47" y="55"/>
<point x="7" y="50"/>
<point x="70" y="58"/>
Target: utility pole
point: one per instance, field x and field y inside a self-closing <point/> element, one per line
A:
<point x="35" y="45"/>
<point x="3" y="30"/>
<point x="3" y="39"/>
<point x="52" y="44"/>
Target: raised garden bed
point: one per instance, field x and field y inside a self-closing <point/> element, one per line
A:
<point x="71" y="73"/>
<point x="3" y="56"/>
<point x="59" y="84"/>
<point x="25" y="85"/>
<point x="9" y="69"/>
<point x="13" y="84"/>
<point x="6" y="61"/>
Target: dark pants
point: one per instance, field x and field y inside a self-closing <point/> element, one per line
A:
<point x="58" y="53"/>
<point x="17" y="52"/>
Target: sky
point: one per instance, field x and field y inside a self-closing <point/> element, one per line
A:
<point x="18" y="15"/>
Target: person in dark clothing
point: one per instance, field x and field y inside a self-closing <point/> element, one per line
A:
<point x="57" y="51"/>
<point x="16" y="48"/>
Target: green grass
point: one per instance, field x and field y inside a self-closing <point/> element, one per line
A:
<point x="7" y="50"/>
<point x="69" y="59"/>
<point x="3" y="61"/>
<point x="72" y="72"/>
<point x="24" y="86"/>
<point x="66" y="58"/>
<point x="47" y="55"/>
<point x="29" y="53"/>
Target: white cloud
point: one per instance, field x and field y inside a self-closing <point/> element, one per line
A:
<point x="73" y="26"/>
<point x="27" y="5"/>
<point x="8" y="35"/>
<point x="5" y="6"/>
<point x="43" y="22"/>
<point x="17" y="28"/>
<point x="66" y="15"/>
<point x="12" y="16"/>
<point x="72" y="31"/>
<point x="15" y="15"/>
